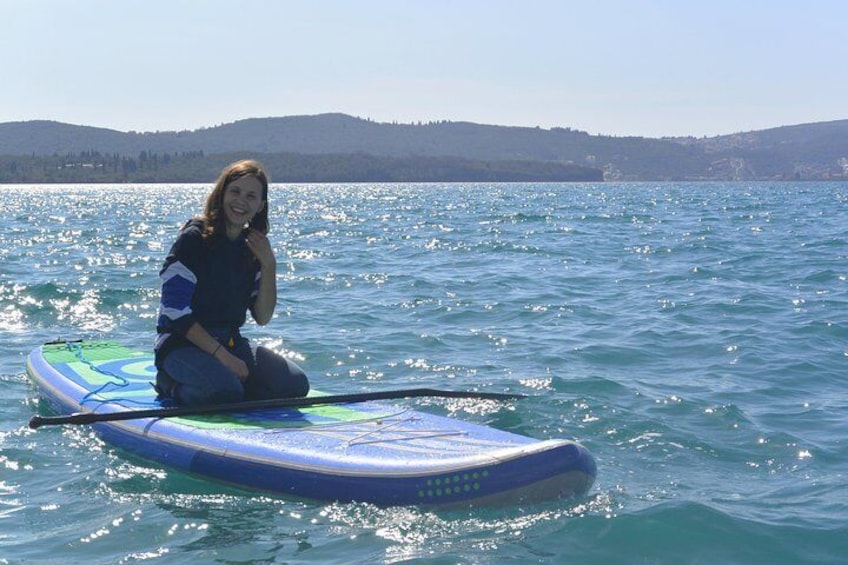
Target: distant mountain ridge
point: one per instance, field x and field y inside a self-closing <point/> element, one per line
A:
<point x="804" y="151"/>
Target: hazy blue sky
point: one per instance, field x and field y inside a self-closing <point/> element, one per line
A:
<point x="638" y="67"/>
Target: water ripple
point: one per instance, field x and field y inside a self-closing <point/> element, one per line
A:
<point x="693" y="336"/>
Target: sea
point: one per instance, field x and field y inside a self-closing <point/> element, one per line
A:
<point x="693" y="336"/>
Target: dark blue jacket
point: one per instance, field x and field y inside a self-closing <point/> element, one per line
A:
<point x="213" y="282"/>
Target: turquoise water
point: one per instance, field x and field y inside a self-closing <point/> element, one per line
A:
<point x="693" y="336"/>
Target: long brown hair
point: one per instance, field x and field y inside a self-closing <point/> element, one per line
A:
<point x="213" y="213"/>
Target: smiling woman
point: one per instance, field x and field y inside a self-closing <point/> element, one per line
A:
<point x="221" y="266"/>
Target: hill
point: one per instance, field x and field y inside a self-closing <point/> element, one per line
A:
<point x="330" y="144"/>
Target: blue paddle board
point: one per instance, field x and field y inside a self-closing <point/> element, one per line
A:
<point x="377" y="452"/>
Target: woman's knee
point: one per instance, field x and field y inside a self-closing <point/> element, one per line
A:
<point x="278" y="376"/>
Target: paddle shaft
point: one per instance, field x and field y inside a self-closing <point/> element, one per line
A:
<point x="81" y="418"/>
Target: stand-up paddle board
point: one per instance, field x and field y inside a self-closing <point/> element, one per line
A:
<point x="377" y="452"/>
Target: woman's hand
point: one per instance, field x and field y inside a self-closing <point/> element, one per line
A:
<point x="197" y="335"/>
<point x="259" y="245"/>
<point x="232" y="363"/>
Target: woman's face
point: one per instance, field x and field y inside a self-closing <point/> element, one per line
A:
<point x="242" y="201"/>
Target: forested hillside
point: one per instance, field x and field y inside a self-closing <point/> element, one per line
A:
<point x="337" y="147"/>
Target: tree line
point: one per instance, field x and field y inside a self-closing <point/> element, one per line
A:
<point x="93" y="166"/>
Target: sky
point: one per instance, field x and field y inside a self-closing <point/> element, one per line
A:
<point x="649" y="68"/>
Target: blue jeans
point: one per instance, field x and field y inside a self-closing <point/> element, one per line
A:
<point x="193" y="377"/>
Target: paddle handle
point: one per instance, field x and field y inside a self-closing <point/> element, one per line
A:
<point x="37" y="421"/>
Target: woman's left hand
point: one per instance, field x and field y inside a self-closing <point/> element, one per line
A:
<point x="259" y="245"/>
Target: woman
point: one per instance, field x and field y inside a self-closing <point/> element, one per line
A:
<point x="221" y="266"/>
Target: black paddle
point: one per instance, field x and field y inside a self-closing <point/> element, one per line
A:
<point x="80" y="418"/>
